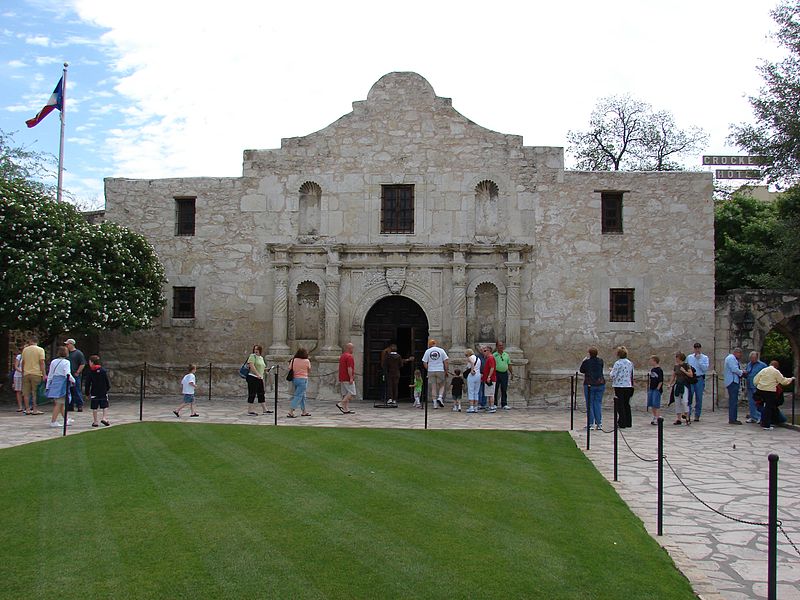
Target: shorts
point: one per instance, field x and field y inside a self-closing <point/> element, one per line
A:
<point x="654" y="398"/>
<point x="18" y="383"/>
<point x="417" y="396"/>
<point x="61" y="400"/>
<point x="99" y="402"/>
<point x="488" y="388"/>
<point x="29" y="385"/>
<point x="436" y="378"/>
<point x="457" y="396"/>
<point x="348" y="388"/>
<point x="188" y="398"/>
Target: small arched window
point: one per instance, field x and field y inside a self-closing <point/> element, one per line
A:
<point x="309" y="207"/>
<point x="486" y="209"/>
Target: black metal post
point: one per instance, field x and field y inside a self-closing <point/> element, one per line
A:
<point x="144" y="385"/>
<point x="209" y="383"/>
<point x="141" y="393"/>
<point x="794" y="397"/>
<point x="616" y="449"/>
<point x="275" y="413"/>
<point x="67" y="399"/>
<point x="772" y="548"/>
<point x="588" y="416"/>
<point x="660" y="475"/>
<point x="425" y="402"/>
<point x="572" y="402"/>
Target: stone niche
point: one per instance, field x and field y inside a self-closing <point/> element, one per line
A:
<point x="487" y="325"/>
<point x="307" y="314"/>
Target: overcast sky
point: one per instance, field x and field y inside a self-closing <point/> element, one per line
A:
<point x="177" y="88"/>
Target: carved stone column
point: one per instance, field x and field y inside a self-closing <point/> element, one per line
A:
<point x="332" y="281"/>
<point x="512" y="316"/>
<point x="280" y="303"/>
<point x="459" y="305"/>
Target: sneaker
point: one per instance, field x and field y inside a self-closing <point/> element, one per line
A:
<point x="459" y="409"/>
<point x="455" y="408"/>
<point x="55" y="424"/>
<point x="492" y="409"/>
<point x="737" y="422"/>
<point x="597" y="427"/>
<point x="696" y="419"/>
<point x="653" y="422"/>
<point x="95" y="424"/>
<point x="70" y="421"/>
<point x="506" y="407"/>
<point x="750" y="420"/>
<point x="472" y="409"/>
<point x="194" y="415"/>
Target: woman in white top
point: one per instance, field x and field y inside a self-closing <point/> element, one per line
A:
<point x="473" y="371"/>
<point x="59" y="379"/>
<point x="622" y="381"/>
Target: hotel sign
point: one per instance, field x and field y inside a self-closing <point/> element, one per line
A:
<point x="738" y="174"/>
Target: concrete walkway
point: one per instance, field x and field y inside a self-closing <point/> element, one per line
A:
<point x="726" y="466"/>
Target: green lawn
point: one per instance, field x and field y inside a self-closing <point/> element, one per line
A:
<point x="163" y="510"/>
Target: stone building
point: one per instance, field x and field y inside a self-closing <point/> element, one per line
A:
<point x="405" y="220"/>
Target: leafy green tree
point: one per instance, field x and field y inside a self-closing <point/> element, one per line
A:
<point x="60" y="273"/>
<point x="743" y="228"/>
<point x="776" y="132"/>
<point x="625" y="134"/>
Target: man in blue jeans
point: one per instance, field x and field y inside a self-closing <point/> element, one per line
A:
<point x="77" y="362"/>
<point x="699" y="362"/>
<point x="732" y="376"/>
<point x="752" y="369"/>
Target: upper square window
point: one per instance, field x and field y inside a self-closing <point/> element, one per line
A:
<point x="397" y="209"/>
<point x="184" y="216"/>
<point x="611" y="203"/>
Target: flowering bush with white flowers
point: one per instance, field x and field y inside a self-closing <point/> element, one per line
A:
<point x="60" y="273"/>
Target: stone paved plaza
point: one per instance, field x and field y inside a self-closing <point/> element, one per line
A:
<point x="724" y="465"/>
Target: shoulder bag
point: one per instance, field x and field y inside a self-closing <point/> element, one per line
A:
<point x="244" y="370"/>
<point x="290" y="374"/>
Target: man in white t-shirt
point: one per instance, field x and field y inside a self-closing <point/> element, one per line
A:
<point x="436" y="363"/>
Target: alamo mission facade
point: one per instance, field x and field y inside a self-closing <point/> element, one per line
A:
<point x="405" y="220"/>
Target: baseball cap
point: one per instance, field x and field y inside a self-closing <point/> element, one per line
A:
<point x="698" y="345"/>
<point x="70" y="341"/>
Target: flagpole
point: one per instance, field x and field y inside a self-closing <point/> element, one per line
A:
<point x="61" y="139"/>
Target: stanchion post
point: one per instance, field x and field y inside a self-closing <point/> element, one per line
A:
<point x="588" y="423"/>
<point x="144" y="385"/>
<point x="772" y="547"/>
<point x="660" y="476"/>
<point x="141" y="393"/>
<point x="425" y="401"/>
<point x="66" y="409"/>
<point x="572" y="402"/>
<point x="275" y="412"/>
<point x="616" y="433"/>
<point x="209" y="383"/>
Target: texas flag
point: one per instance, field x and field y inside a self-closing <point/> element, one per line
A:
<point x="56" y="101"/>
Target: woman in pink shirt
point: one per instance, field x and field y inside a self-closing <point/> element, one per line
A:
<point x="301" y="367"/>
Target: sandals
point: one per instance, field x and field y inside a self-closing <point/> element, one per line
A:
<point x="343" y="411"/>
<point x="305" y="414"/>
<point x="291" y="416"/>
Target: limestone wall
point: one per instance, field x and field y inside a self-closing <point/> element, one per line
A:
<point x="293" y="249"/>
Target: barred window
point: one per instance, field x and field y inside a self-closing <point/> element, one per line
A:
<point x="397" y="209"/>
<point x="184" y="216"/>
<point x="611" y="203"/>
<point x="183" y="303"/>
<point x="621" y="305"/>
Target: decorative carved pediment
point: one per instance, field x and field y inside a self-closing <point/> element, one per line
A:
<point x="396" y="279"/>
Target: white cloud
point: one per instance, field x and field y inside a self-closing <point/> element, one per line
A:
<point x="206" y="81"/>
<point x="38" y="40"/>
<point x="16" y="64"/>
<point x="47" y="60"/>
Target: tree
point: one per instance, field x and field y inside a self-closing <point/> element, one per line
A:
<point x="60" y="273"/>
<point x="776" y="132"/>
<point x="756" y="242"/>
<point x="19" y="164"/>
<point x="625" y="133"/>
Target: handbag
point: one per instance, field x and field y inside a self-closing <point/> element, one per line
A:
<point x="290" y="374"/>
<point x="244" y="370"/>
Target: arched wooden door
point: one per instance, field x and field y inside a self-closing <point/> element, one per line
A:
<point x="398" y="320"/>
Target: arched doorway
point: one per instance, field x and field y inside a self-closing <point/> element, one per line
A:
<point x="399" y="320"/>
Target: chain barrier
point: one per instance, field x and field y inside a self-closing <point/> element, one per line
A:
<point x="707" y="505"/>
<point x="788" y="539"/>
<point x="648" y="460"/>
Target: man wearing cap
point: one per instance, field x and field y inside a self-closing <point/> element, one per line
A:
<point x="732" y="375"/>
<point x="699" y="362"/>
<point x="753" y="368"/>
<point x="436" y="362"/>
<point x="77" y="362"/>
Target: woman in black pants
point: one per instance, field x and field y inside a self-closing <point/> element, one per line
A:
<point x="622" y="381"/>
<point x="255" y="381"/>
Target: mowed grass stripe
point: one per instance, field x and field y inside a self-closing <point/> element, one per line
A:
<point x="214" y="511"/>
